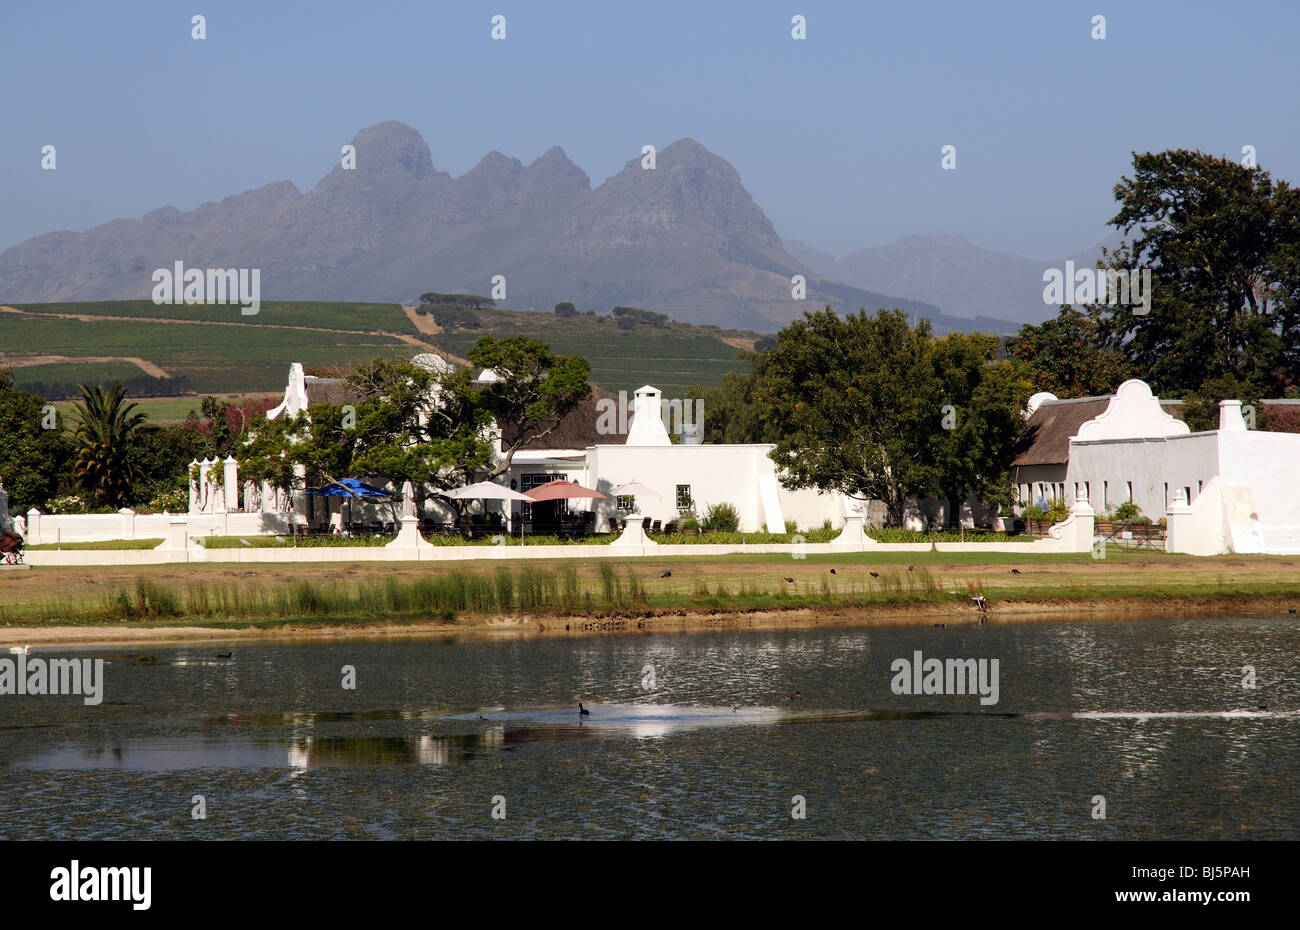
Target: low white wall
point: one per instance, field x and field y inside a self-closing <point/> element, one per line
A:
<point x="47" y="529"/>
<point x="1073" y="535"/>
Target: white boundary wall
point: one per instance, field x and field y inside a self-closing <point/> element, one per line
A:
<point x="45" y="529"/>
<point x="1075" y="534"/>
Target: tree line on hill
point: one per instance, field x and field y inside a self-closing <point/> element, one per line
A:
<point x="140" y="386"/>
<point x="457" y="311"/>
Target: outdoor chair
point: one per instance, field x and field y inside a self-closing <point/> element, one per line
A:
<point x="654" y="527"/>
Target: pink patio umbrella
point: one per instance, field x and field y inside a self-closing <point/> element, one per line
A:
<point x="562" y="490"/>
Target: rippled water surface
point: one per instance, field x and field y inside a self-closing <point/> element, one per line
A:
<point x="689" y="736"/>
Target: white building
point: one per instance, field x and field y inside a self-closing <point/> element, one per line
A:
<point x="1227" y="490"/>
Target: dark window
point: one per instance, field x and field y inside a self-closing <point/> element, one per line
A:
<point x="527" y="483"/>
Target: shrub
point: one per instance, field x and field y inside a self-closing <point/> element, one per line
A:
<point x="690" y="523"/>
<point x="1032" y="512"/>
<point x="721" y="518"/>
<point x="176" y="500"/>
<point x="1056" y="513"/>
<point x="1129" y="512"/>
<point x="791" y="527"/>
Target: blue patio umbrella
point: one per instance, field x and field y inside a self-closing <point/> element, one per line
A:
<point x="353" y="490"/>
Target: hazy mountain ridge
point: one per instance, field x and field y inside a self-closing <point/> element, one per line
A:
<point x="951" y="272"/>
<point x="684" y="239"/>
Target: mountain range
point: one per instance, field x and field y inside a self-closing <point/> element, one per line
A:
<point x="684" y="238"/>
<point x="951" y="272"/>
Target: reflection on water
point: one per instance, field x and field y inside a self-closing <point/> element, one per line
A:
<point x="1151" y="714"/>
<point x="308" y="752"/>
<point x="1139" y="746"/>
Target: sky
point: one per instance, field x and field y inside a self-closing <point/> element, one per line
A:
<point x="838" y="136"/>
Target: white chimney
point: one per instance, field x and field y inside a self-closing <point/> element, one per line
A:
<point x="1230" y="419"/>
<point x="647" y="427"/>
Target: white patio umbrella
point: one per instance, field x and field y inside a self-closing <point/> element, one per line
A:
<point x="633" y="488"/>
<point x="486" y="491"/>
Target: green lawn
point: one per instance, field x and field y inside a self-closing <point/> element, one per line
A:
<point x="105" y="544"/>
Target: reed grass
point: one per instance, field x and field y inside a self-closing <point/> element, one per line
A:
<point x="575" y="589"/>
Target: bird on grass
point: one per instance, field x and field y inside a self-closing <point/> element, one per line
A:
<point x="791" y="580"/>
<point x="911" y="567"/>
<point x="667" y="574"/>
<point x="1015" y="571"/>
<point x="874" y="574"/>
<point x="833" y="571"/>
<point x="980" y="602"/>
<point x="1291" y="611"/>
<point x="582" y="711"/>
<point x="20" y="650"/>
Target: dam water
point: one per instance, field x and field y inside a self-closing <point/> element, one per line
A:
<point x="689" y="736"/>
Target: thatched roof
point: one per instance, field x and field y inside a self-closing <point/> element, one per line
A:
<point x="330" y="391"/>
<point x="1046" y="439"/>
<point x="1047" y="435"/>
<point x="577" y="430"/>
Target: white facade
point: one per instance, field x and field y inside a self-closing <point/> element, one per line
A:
<point x="1227" y="490"/>
<point x="738" y="474"/>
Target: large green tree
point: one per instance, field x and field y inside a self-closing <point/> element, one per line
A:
<point x="34" y="449"/>
<point x="536" y="388"/>
<point x="857" y="404"/>
<point x="408" y="424"/>
<point x="985" y="399"/>
<point x="106" y="428"/>
<point x="1065" y="355"/>
<point x="1223" y="245"/>
<point x="413" y="424"/>
<point x="875" y="409"/>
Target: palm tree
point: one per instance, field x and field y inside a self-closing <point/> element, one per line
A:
<point x="105" y="429"/>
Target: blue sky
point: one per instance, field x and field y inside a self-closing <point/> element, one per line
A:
<point x="837" y="137"/>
